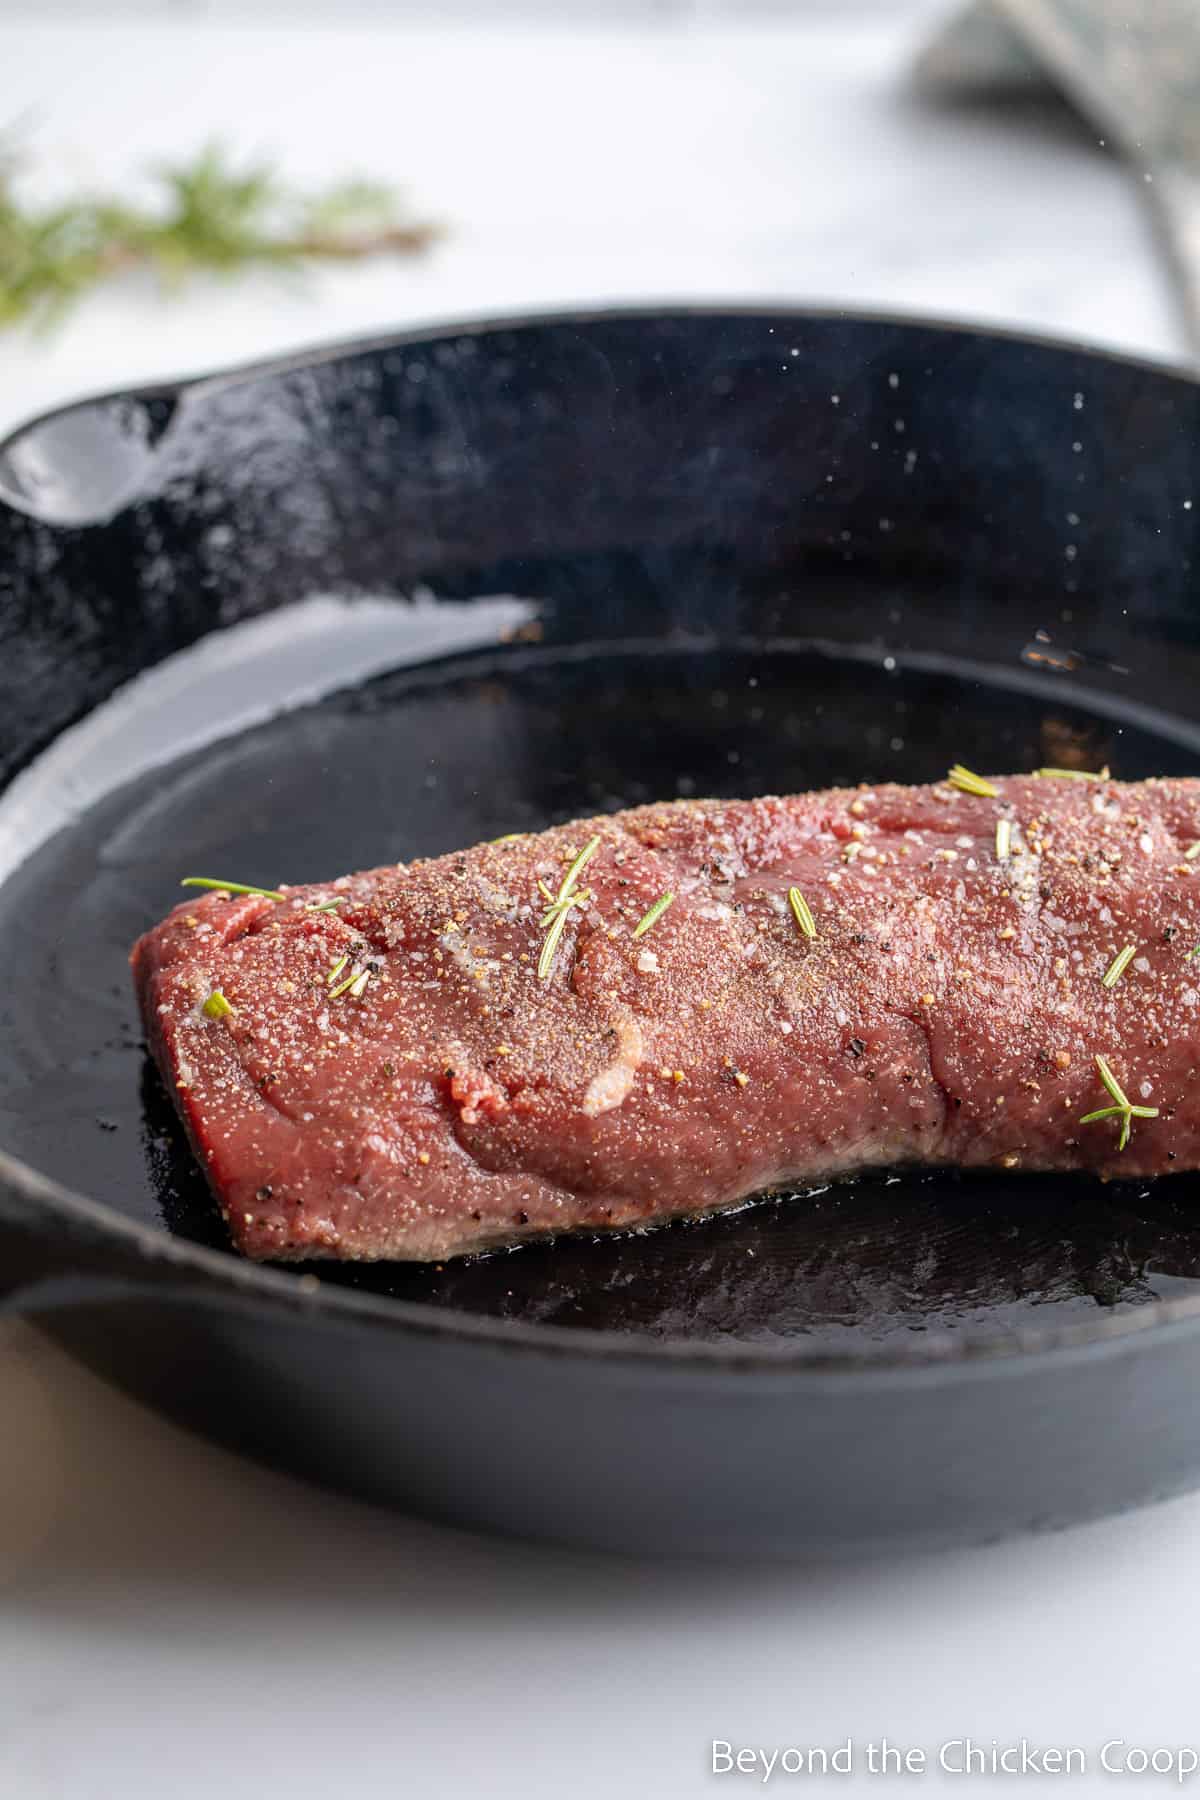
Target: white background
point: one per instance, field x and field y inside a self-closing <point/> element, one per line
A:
<point x="175" y="1622"/>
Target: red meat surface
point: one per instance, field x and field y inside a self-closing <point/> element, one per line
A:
<point x="948" y="1010"/>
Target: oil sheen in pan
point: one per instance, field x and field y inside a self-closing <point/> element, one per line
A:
<point x="463" y="737"/>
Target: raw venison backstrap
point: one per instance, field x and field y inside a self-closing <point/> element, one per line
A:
<point x="663" y="1011"/>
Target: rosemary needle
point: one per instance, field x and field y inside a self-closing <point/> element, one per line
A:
<point x="216" y="1006"/>
<point x="1111" y="1083"/>
<point x="325" y="906"/>
<point x="969" y="783"/>
<point x="1003" y="839"/>
<point x="803" y="912"/>
<point x="336" y="970"/>
<point x="353" y="985"/>
<point x="1193" y="852"/>
<point x="577" y="867"/>
<point x="652" y="915"/>
<point x="1118" y="966"/>
<point x="550" y="944"/>
<point x="230" y="887"/>
<point x="1076" y="774"/>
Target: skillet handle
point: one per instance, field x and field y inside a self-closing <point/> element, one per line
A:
<point x="79" y="464"/>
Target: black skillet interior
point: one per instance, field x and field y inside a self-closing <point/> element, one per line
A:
<point x="651" y="556"/>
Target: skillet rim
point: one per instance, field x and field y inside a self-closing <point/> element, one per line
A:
<point x="234" y="1278"/>
<point x="307" y="356"/>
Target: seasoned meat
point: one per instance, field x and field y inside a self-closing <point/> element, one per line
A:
<point x="454" y="1056"/>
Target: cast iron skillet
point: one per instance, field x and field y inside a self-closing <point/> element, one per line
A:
<point x="495" y="576"/>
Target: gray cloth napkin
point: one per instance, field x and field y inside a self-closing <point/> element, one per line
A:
<point x="1131" y="67"/>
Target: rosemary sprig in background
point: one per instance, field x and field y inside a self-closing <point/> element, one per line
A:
<point x="208" y="216"/>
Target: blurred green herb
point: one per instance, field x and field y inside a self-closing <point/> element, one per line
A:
<point x="208" y="216"/>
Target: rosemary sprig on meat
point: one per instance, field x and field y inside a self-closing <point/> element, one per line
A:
<point x="555" y="915"/>
<point x="1122" y="1107"/>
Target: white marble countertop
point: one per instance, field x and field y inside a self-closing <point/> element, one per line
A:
<point x="175" y="1621"/>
